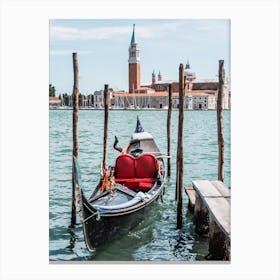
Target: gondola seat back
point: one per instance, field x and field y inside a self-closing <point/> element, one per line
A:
<point x="125" y="167"/>
<point x="136" y="173"/>
<point x="146" y="166"/>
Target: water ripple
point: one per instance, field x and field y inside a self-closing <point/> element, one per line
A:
<point x="156" y="238"/>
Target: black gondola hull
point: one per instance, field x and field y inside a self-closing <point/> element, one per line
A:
<point x="103" y="228"/>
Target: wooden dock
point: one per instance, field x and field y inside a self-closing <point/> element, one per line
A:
<point x="210" y="202"/>
<point x="191" y="195"/>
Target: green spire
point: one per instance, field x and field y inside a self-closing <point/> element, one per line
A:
<point x="133" y="37"/>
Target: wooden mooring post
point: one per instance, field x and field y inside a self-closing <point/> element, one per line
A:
<point x="75" y="131"/>
<point x="169" y="130"/>
<point x="180" y="150"/>
<point x="210" y="200"/>
<point x="221" y="142"/>
<point x="212" y="215"/>
<point x="106" y="119"/>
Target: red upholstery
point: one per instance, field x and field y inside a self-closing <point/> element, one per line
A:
<point x="124" y="167"/>
<point x="136" y="173"/>
<point x="145" y="185"/>
<point x="146" y="166"/>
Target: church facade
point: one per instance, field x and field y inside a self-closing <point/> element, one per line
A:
<point x="199" y="94"/>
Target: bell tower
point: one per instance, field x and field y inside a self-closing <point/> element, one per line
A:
<point x="133" y="64"/>
<point x="159" y="76"/>
<point x="153" y="78"/>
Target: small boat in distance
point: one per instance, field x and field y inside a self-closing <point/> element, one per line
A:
<point x="126" y="192"/>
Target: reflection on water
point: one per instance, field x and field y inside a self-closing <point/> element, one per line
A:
<point x="73" y="238"/>
<point x="156" y="237"/>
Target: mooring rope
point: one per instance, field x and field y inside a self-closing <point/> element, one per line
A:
<point x="91" y="216"/>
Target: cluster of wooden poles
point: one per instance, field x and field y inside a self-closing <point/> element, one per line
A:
<point x="180" y="142"/>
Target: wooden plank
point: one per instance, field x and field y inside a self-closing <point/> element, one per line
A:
<point x="220" y="210"/>
<point x="222" y="188"/>
<point x="215" y="202"/>
<point x="205" y="188"/>
<point x="191" y="195"/>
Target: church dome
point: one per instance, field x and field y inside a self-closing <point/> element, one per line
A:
<point x="189" y="73"/>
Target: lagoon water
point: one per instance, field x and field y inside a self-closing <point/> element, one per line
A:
<point x="156" y="238"/>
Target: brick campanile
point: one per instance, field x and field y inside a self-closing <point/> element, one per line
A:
<point x="133" y="64"/>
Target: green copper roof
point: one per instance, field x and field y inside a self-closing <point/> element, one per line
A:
<point x="133" y="37"/>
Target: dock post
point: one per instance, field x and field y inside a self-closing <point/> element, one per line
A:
<point x="106" y="118"/>
<point x="212" y="217"/>
<point x="220" y="121"/>
<point x="180" y="151"/>
<point x="191" y="196"/>
<point x="201" y="217"/>
<point x="219" y="245"/>
<point x="75" y="131"/>
<point x="169" y="130"/>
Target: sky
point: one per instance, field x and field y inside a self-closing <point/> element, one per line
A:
<point x="102" y="47"/>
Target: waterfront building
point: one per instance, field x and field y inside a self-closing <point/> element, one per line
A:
<point x="98" y="101"/>
<point x="199" y="94"/>
<point x="54" y="102"/>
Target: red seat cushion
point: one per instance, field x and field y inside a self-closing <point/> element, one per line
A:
<point x="146" y="166"/>
<point x="136" y="173"/>
<point x="145" y="185"/>
<point x="132" y="185"/>
<point x="147" y="180"/>
<point x="124" y="167"/>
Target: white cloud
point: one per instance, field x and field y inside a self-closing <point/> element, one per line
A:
<point x="157" y="30"/>
<point x="214" y="25"/>
<point x="62" y="33"/>
<point x="68" y="52"/>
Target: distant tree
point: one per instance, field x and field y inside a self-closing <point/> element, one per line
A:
<point x="80" y="100"/>
<point x="51" y="90"/>
<point x="90" y="99"/>
<point x="65" y="99"/>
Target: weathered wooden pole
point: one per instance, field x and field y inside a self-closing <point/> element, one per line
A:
<point x="106" y="118"/>
<point x="180" y="151"/>
<point x="169" y="130"/>
<point x="221" y="143"/>
<point x="75" y="131"/>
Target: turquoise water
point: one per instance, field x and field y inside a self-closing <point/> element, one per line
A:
<point x="156" y="238"/>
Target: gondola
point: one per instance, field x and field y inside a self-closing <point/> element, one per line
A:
<point x="125" y="193"/>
